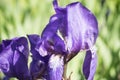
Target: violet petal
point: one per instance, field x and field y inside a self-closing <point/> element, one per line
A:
<point x="82" y="27"/>
<point x="90" y="64"/>
<point x="55" y="67"/>
<point x="51" y="40"/>
<point x="37" y="68"/>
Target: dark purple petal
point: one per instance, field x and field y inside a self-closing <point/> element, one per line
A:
<point x="15" y="55"/>
<point x="55" y="67"/>
<point x="20" y="58"/>
<point x="56" y="46"/>
<point x="20" y="66"/>
<point x="90" y="64"/>
<point x="37" y="48"/>
<point x="5" y="43"/>
<point x="59" y="45"/>
<point x="37" y="68"/>
<point x="21" y="45"/>
<point x="34" y="40"/>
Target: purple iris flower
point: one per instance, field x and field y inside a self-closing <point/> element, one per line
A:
<point x="14" y="58"/>
<point x="51" y="51"/>
<point x="79" y="29"/>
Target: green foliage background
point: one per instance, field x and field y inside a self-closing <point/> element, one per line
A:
<point x="21" y="17"/>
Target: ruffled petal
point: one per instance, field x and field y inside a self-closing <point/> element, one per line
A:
<point x="90" y="64"/>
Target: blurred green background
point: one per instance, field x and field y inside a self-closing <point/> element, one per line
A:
<point x="21" y="17"/>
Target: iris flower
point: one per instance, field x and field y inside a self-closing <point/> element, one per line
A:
<point x="79" y="30"/>
<point x="14" y="58"/>
<point x="51" y="51"/>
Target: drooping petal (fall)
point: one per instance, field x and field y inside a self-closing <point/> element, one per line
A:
<point x="55" y="67"/>
<point x="90" y="64"/>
